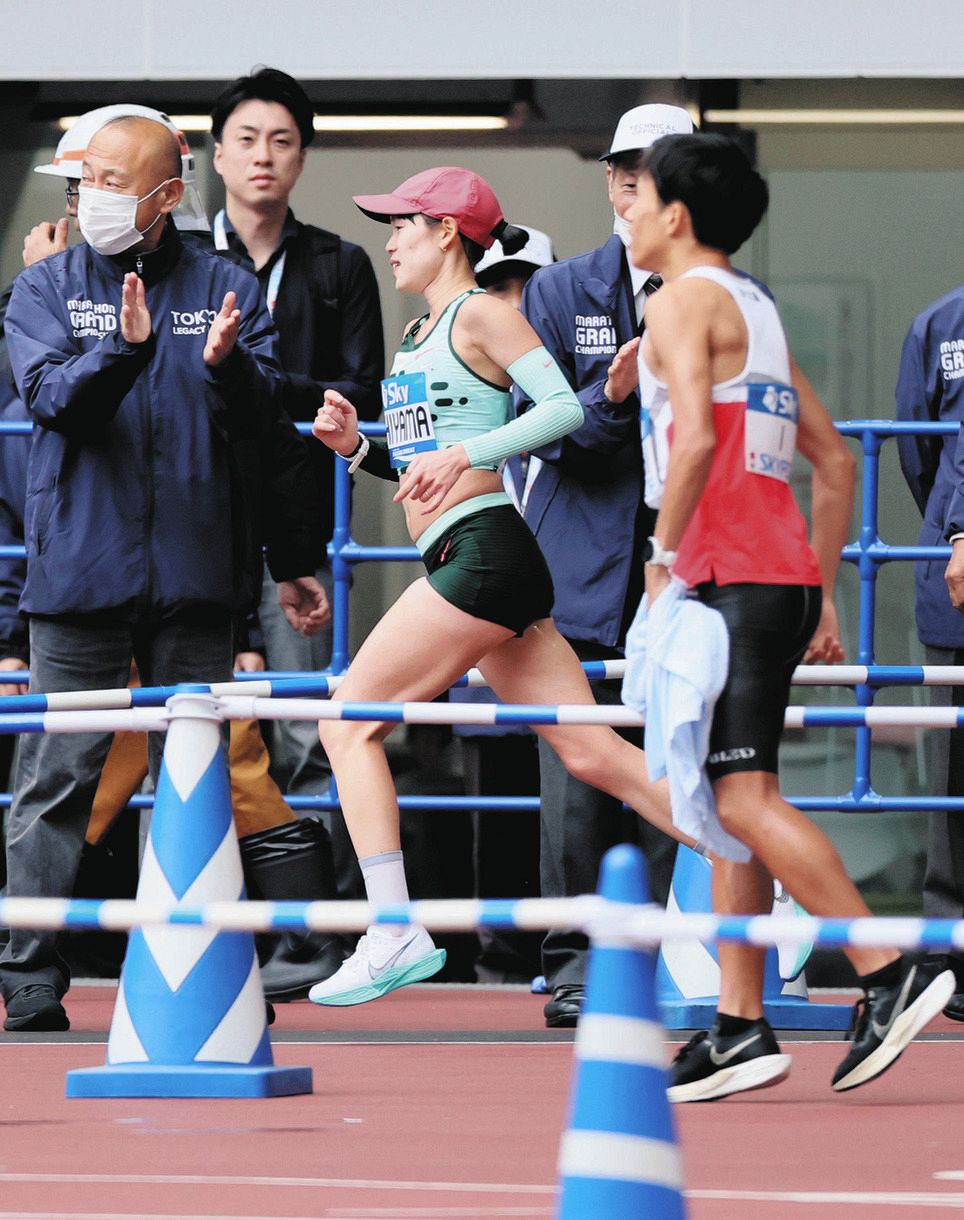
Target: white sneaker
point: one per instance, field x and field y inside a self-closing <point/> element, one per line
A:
<point x="380" y="963"/>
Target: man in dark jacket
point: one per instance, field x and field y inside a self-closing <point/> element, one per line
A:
<point x="150" y="370"/>
<point x="583" y="501"/>
<point x="930" y="388"/>
<point x="323" y="297"/>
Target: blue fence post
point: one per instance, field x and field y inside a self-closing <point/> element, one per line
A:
<point x="867" y="568"/>
<point x="340" y="570"/>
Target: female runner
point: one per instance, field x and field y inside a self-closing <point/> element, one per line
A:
<point x="487" y="594"/>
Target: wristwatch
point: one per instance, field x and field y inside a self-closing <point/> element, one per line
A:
<point x="357" y="455"/>
<point x="660" y="557"/>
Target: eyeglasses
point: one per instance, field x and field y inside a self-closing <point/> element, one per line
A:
<point x="72" y="193"/>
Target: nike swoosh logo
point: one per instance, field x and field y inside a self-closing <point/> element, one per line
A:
<point x="720" y="1059"/>
<point x="389" y="961"/>
<point x="900" y="1004"/>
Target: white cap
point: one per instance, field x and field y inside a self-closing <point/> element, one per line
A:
<point x="644" y="125"/>
<point x="537" y="252"/>
<point x="72" y="148"/>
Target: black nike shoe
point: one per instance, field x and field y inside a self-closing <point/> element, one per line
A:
<point x="887" y="1019"/>
<point x="711" y="1066"/>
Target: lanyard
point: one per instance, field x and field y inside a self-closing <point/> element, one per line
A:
<point x="532" y="469"/>
<point x="277" y="271"/>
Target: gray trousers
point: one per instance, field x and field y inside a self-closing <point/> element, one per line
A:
<point x="578" y="825"/>
<point x="307" y="771"/>
<point x="944" y="874"/>
<point x="58" y="773"/>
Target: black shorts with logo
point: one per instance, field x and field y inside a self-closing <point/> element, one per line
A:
<point x="770" y="627"/>
<point x="489" y="565"/>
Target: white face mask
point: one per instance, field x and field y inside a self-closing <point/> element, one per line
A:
<point x="107" y="219"/>
<point x="623" y="229"/>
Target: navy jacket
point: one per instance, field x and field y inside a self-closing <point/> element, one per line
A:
<point x="152" y="478"/>
<point x="930" y="386"/>
<point x="586" y="507"/>
<point x="13" y="489"/>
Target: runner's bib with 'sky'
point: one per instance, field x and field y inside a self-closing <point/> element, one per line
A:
<point x="770" y="438"/>
<point x="408" y="419"/>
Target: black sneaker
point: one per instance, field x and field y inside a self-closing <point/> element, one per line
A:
<point x="954" y="1008"/>
<point x="711" y="1066"/>
<point x="887" y="1019"/>
<point x="35" y="1007"/>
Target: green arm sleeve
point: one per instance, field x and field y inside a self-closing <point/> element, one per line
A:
<point x="556" y="411"/>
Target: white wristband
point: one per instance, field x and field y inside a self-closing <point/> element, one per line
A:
<point x="356" y="458"/>
<point x="660" y="558"/>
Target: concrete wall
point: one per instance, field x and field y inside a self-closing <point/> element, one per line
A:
<point x="668" y="39"/>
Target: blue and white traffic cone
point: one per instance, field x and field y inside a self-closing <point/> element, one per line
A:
<point x="619" y="1157"/>
<point x="688" y="972"/>
<point x="189" y="1020"/>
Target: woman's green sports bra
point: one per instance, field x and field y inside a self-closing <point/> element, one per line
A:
<point x="462" y="405"/>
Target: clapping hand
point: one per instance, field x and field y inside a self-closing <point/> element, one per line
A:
<point x="135" y="318"/>
<point x="223" y="333"/>
<point x="623" y="375"/>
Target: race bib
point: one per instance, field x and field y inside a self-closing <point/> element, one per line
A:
<point x="772" y="412"/>
<point x="408" y="420"/>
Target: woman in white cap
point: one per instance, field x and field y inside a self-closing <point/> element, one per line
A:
<point x="487" y="595"/>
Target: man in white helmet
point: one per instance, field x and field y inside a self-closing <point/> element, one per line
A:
<point x="584" y="503"/>
<point x="48" y="238"/>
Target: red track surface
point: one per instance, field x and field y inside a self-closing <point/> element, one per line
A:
<point x="457" y="1127"/>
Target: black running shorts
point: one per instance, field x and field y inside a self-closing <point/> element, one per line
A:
<point x="770" y="627"/>
<point x="489" y="565"/>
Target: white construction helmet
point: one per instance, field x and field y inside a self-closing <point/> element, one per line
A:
<point x="72" y="148"/>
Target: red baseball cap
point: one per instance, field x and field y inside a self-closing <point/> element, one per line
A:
<point x="447" y="190"/>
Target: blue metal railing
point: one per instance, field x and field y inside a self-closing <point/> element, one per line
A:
<point x="868" y="554"/>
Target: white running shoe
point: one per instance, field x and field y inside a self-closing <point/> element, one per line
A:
<point x="381" y="962"/>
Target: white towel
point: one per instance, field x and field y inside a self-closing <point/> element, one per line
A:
<point x="677" y="660"/>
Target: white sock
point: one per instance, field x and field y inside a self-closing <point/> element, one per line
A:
<point x="385" y="885"/>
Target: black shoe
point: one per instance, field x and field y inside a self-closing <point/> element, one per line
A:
<point x="297" y="962"/>
<point x="888" y="1018"/>
<point x="562" y="1011"/>
<point x="292" y="862"/>
<point x="35" y="1007"/>
<point x="711" y="1066"/>
<point x="269" y="1013"/>
<point x="954" y="1008"/>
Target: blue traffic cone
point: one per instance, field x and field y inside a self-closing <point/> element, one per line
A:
<point x="688" y="972"/>
<point x="189" y="1020"/>
<point x="619" y="1158"/>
